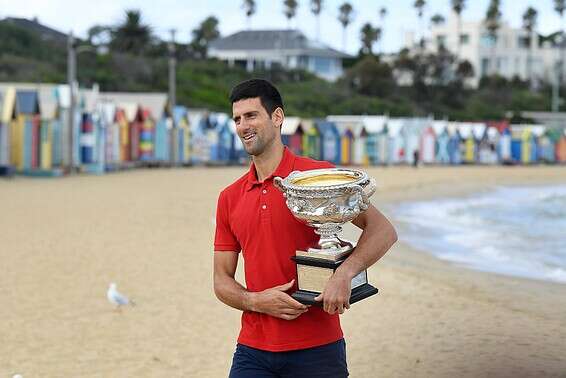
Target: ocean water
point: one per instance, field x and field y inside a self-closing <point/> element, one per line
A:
<point x="518" y="231"/>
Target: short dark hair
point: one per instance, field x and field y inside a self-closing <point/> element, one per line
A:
<point x="268" y="95"/>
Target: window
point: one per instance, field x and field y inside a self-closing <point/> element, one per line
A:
<point x="523" y="42"/>
<point x="484" y="67"/>
<point x="464" y="39"/>
<point x="322" y="64"/>
<point x="488" y="40"/>
<point x="441" y="40"/>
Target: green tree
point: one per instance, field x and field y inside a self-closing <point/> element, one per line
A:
<point x="458" y="6"/>
<point x="290" y="10"/>
<point x="131" y="36"/>
<point x="369" y="35"/>
<point x="419" y="6"/>
<point x="249" y="7"/>
<point x="492" y="23"/>
<point x="529" y="24"/>
<point x="316" y="8"/>
<point x="345" y="17"/>
<point x="437" y="19"/>
<point x="206" y="32"/>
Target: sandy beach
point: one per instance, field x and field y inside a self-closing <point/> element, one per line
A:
<point x="62" y="241"/>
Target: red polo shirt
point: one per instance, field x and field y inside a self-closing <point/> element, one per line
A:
<point x="252" y="217"/>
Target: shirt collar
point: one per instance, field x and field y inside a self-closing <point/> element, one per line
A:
<point x="283" y="170"/>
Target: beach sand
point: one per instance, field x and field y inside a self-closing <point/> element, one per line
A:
<point x="62" y="241"/>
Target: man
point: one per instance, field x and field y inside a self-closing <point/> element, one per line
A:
<point x="280" y="337"/>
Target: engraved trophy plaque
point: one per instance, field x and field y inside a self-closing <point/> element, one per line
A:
<point x="325" y="199"/>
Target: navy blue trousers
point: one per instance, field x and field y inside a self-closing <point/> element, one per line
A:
<point x="323" y="361"/>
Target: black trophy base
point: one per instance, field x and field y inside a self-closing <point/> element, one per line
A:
<point x="358" y="293"/>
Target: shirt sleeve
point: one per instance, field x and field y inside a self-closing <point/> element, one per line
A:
<point x="224" y="238"/>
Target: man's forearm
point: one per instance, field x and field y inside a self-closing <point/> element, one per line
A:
<point x="376" y="239"/>
<point x="230" y="292"/>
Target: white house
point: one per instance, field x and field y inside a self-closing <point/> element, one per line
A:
<point x="263" y="49"/>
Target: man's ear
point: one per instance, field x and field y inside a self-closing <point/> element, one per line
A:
<point x="277" y="117"/>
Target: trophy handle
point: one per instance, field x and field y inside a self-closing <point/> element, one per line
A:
<point x="278" y="182"/>
<point x="366" y="193"/>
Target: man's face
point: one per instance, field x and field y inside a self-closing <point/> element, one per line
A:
<point x="253" y="125"/>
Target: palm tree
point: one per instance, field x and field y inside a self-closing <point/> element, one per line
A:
<point x="529" y="24"/>
<point x="131" y="35"/>
<point x="492" y="24"/>
<point x="249" y="9"/>
<point x="419" y="6"/>
<point x="290" y="10"/>
<point x="316" y="8"/>
<point x="369" y="35"/>
<point x="382" y="15"/>
<point x="345" y="17"/>
<point x="437" y="19"/>
<point x="458" y="6"/>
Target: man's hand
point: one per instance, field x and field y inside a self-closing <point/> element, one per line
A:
<point x="336" y="294"/>
<point x="276" y="302"/>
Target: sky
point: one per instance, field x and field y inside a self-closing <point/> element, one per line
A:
<point x="184" y="16"/>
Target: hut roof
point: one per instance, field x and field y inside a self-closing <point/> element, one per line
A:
<point x="48" y="102"/>
<point x="439" y="126"/>
<point x="395" y="126"/>
<point x="27" y="101"/>
<point x="7" y="109"/>
<point x="290" y="125"/>
<point x="155" y="102"/>
<point x="326" y="127"/>
<point x="374" y="124"/>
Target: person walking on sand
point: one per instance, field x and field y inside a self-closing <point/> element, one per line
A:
<point x="280" y="337"/>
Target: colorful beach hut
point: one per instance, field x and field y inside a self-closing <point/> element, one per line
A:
<point x="455" y="145"/>
<point x="377" y="140"/>
<point x="442" y="139"/>
<point x="330" y="141"/>
<point x="396" y="142"/>
<point x="428" y="145"/>
<point x="311" y="140"/>
<point x="292" y="134"/>
<point x="50" y="129"/>
<point x="561" y="148"/>
<point x="547" y="145"/>
<point x="4" y="128"/>
<point x="25" y="131"/>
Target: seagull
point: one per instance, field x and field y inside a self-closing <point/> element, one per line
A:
<point x="116" y="298"/>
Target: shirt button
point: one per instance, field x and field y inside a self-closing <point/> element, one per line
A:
<point x="264" y="207"/>
<point x="264" y="191"/>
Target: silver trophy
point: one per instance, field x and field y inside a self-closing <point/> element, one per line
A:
<point x="325" y="199"/>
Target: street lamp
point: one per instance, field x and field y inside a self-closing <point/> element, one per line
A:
<point x="72" y="51"/>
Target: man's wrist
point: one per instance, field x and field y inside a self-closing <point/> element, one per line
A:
<point x="250" y="301"/>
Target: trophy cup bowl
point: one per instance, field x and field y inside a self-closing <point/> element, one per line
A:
<point x="325" y="199"/>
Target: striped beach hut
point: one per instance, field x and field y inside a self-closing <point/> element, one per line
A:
<point x="428" y="145"/>
<point x="467" y="142"/>
<point x="455" y="145"/>
<point x="377" y="140"/>
<point x="504" y="147"/>
<point x="181" y="136"/>
<point x="25" y="130"/>
<point x="50" y="129"/>
<point x="547" y="145"/>
<point x="487" y="146"/>
<point x="561" y="148"/>
<point x="311" y="139"/>
<point x="226" y="139"/>
<point x="292" y="134"/>
<point x="396" y="142"/>
<point x="4" y="128"/>
<point x="442" y="139"/>
<point x="354" y="137"/>
<point x="412" y="130"/>
<point x="330" y="141"/>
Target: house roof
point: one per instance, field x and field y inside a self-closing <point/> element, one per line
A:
<point x="281" y="40"/>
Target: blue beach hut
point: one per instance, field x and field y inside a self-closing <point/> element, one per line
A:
<point x="330" y="141"/>
<point x="441" y="141"/>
